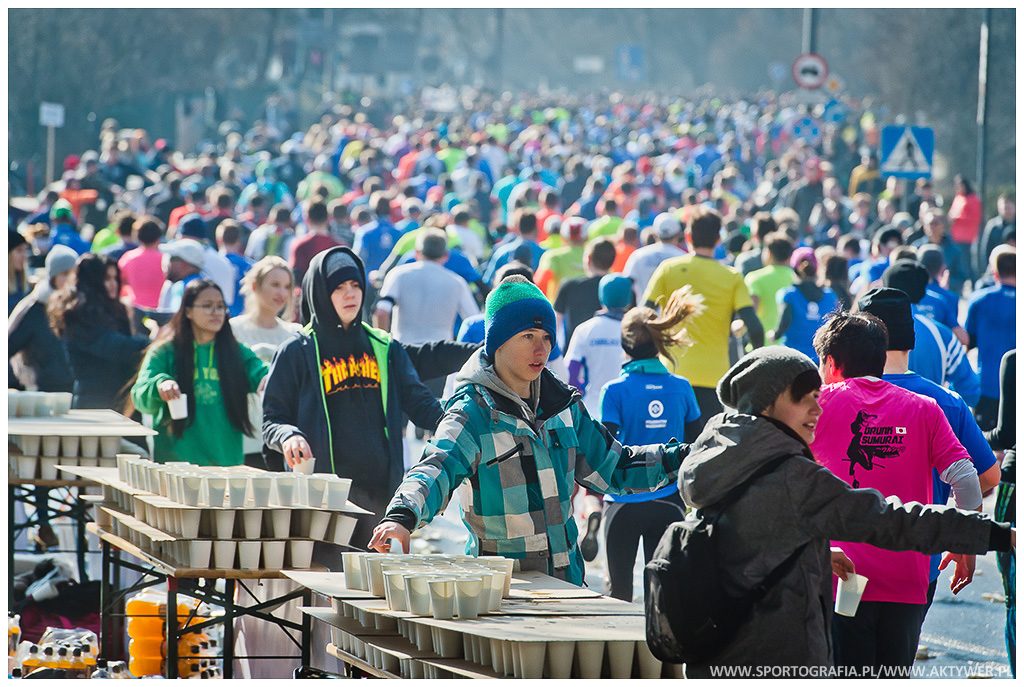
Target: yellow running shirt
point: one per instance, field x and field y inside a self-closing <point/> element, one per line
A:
<point x="724" y="292"/>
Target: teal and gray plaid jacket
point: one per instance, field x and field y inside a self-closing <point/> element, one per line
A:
<point x="516" y="467"/>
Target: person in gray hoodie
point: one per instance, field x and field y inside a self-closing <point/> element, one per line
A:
<point x="772" y="410"/>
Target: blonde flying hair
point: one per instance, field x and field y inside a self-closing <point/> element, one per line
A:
<point x="643" y="328"/>
<point x="255" y="277"/>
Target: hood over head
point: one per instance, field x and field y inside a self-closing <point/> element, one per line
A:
<point x="730" y="449"/>
<point x="326" y="271"/>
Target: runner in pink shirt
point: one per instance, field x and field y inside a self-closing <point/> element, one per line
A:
<point x="873" y="434"/>
<point x="141" y="268"/>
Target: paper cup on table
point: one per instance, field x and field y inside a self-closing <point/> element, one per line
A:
<point x="215" y="488"/>
<point x="316" y="488"/>
<point x="337" y="493"/>
<point x="61" y="402"/>
<point x="318" y="522"/>
<point x="590" y="659"/>
<point x="468" y="593"/>
<point x="28" y="403"/>
<point x="51" y="446"/>
<point x="273" y="555"/>
<point x="109" y="446"/>
<point x="286" y="491"/>
<point x="374" y="574"/>
<point x="249" y="555"/>
<point x="178" y="407"/>
<point x="352" y="568"/>
<point x="417" y="594"/>
<point x="90" y="447"/>
<point x="304" y="467"/>
<point x="848" y="594"/>
<point x="189" y="490"/>
<point x="650" y="665"/>
<point x="30" y="444"/>
<point x="69" y="446"/>
<point x="252" y="523"/>
<point x="224" y="523"/>
<point x="27" y="467"/>
<point x="199" y="552"/>
<point x="260" y="489"/>
<point x="224" y="554"/>
<point x="394" y="590"/>
<point x="190" y="522"/>
<point x="300" y="553"/>
<point x="442" y="598"/>
<point x="620" y="659"/>
<point x="497" y="585"/>
<point x="237" y="489"/>
<point x="281" y="523"/>
<point x="48" y="467"/>
<point x="344" y="525"/>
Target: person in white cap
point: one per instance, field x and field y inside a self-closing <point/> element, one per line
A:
<point x="183" y="262"/>
<point x="642" y="263"/>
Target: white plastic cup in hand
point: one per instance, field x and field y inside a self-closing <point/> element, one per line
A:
<point x="178" y="407"/>
<point x="304" y="467"/>
<point x="848" y="594"/>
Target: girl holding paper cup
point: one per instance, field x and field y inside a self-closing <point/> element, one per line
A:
<point x="195" y="381"/>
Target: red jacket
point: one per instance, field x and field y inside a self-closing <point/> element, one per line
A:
<point x="965" y="215"/>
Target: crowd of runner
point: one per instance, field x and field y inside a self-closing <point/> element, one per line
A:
<point x="311" y="292"/>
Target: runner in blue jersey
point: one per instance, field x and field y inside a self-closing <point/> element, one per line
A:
<point x="647" y="404"/>
<point x="804" y="306"/>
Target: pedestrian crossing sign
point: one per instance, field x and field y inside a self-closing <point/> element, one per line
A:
<point x="907" y="152"/>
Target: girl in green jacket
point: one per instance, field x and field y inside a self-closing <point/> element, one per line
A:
<point x="199" y="357"/>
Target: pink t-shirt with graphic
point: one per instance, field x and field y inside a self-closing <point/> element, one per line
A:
<point x="873" y="434"/>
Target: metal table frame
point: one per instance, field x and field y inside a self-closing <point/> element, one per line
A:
<point x="191" y="584"/>
<point x="73" y="507"/>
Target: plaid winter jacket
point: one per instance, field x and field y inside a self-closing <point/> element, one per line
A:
<point x="516" y="468"/>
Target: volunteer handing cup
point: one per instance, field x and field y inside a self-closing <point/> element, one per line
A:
<point x="848" y="594"/>
<point x="179" y="407"/>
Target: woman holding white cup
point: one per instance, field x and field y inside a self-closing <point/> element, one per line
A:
<point x="195" y="382"/>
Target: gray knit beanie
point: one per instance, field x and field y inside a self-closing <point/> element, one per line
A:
<point x="757" y="379"/>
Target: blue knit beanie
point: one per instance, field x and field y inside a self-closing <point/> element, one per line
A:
<point x="515" y="306"/>
<point x="615" y="291"/>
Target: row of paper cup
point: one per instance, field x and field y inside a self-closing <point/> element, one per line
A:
<point x="440" y="586"/>
<point x="213" y="487"/>
<point x="37" y="403"/>
<point x="68" y="446"/>
<point x="276" y="523"/>
<point x="244" y="555"/>
<point x="33" y="467"/>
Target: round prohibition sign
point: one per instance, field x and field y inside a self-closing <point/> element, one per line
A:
<point x="810" y="70"/>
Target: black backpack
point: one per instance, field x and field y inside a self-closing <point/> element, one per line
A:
<point x="690" y="616"/>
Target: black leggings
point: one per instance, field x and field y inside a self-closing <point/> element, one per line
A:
<point x="624" y="525"/>
<point x="880" y="641"/>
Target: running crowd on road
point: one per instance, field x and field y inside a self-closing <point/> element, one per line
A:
<point x="603" y="312"/>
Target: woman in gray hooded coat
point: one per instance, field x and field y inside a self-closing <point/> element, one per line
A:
<point x="772" y="409"/>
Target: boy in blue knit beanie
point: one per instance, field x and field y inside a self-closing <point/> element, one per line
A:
<point x="523" y="439"/>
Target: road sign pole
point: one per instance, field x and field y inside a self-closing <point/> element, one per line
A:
<point x="810" y="30"/>
<point x="982" y="104"/>
<point x="50" y="140"/>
